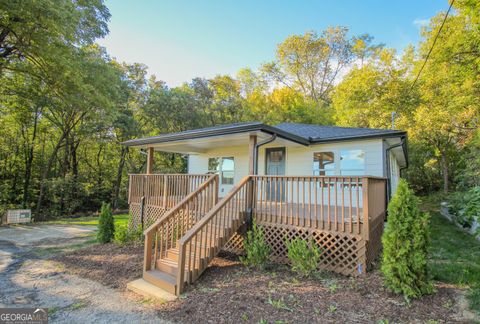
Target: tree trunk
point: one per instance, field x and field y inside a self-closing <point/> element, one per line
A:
<point x="118" y="180"/>
<point x="445" y="171"/>
<point x="41" y="192"/>
<point x="29" y="162"/>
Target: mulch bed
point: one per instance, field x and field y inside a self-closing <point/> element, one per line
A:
<point x="228" y="292"/>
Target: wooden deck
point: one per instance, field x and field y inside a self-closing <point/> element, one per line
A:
<point x="343" y="215"/>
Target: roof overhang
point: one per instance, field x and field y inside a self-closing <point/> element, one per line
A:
<point x="202" y="139"/>
<point x="390" y="134"/>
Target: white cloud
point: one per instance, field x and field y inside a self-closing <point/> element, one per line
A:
<point x="421" y="22"/>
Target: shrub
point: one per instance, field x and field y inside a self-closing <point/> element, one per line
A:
<point x="465" y="206"/>
<point x="303" y="255"/>
<point x="106" y="227"/>
<point x="125" y="235"/>
<point x="256" y="249"/>
<point x="405" y="244"/>
<point x="472" y="206"/>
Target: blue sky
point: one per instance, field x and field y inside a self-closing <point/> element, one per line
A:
<point x="179" y="40"/>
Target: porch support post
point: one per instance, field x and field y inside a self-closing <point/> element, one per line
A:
<point x="149" y="160"/>
<point x="251" y="156"/>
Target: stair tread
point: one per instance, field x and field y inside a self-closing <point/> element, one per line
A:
<point x="160" y="275"/>
<point x="171" y="262"/>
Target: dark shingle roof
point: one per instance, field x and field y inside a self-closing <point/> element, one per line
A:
<point x="318" y="133"/>
<point x="217" y="131"/>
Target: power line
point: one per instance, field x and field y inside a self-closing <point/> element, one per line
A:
<point x="433" y="45"/>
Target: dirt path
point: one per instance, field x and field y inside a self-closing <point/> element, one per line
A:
<point x="29" y="279"/>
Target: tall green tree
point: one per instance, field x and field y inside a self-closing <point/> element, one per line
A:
<point x="448" y="114"/>
<point x="313" y="62"/>
<point x="38" y="31"/>
<point x="371" y="92"/>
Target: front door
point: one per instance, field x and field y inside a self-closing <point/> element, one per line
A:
<point x="275" y="165"/>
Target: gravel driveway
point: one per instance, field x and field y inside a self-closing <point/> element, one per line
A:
<point x="29" y="279"/>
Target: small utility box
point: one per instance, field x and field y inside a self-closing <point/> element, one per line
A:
<point x="19" y="216"/>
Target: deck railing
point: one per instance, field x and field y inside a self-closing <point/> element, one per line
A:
<point x="164" y="233"/>
<point x="163" y="190"/>
<point x="341" y="204"/>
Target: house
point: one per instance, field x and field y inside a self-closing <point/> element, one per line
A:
<point x="324" y="182"/>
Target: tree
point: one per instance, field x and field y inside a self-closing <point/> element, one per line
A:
<point x="85" y="94"/>
<point x="37" y="31"/>
<point x="448" y="114"/>
<point x="369" y="94"/>
<point x="132" y="96"/>
<point x="106" y="226"/>
<point x="311" y="63"/>
<point x="405" y="245"/>
<point x="285" y="105"/>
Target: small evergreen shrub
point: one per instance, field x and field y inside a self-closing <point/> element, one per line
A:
<point x="256" y="249"/>
<point x="106" y="227"/>
<point x="304" y="256"/>
<point x="405" y="244"/>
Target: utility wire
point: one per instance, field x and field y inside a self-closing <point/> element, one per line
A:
<point x="433" y="45"/>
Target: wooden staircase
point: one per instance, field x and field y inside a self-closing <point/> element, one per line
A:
<point x="181" y="244"/>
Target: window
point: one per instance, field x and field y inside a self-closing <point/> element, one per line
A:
<point x="323" y="163"/>
<point x="225" y="167"/>
<point x="214" y="165"/>
<point x="352" y="162"/>
<point x="228" y="167"/>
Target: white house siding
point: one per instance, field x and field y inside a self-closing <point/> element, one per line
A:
<point x="300" y="158"/>
<point x="198" y="163"/>
<point x="299" y="162"/>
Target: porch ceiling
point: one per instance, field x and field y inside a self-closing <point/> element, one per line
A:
<point x="202" y="145"/>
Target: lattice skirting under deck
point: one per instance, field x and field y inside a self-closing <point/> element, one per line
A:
<point x="342" y="253"/>
<point x="150" y="215"/>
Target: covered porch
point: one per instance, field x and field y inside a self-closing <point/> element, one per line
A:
<point x="243" y="176"/>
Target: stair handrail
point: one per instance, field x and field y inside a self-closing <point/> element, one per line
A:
<point x="152" y="229"/>
<point x="195" y="229"/>
<point x="181" y="203"/>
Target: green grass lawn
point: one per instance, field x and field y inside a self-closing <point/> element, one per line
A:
<point x="120" y="220"/>
<point x="455" y="257"/>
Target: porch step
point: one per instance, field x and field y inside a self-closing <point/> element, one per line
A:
<point x="166" y="281"/>
<point x="174" y="253"/>
<point x="170" y="266"/>
<point x="199" y="253"/>
<point x="149" y="290"/>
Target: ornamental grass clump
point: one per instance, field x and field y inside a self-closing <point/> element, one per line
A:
<point x="405" y="245"/>
<point x="257" y="251"/>
<point x="106" y="227"/>
<point x="303" y="255"/>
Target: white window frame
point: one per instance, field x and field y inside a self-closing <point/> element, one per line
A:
<point x="337" y="161"/>
<point x="220" y="170"/>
